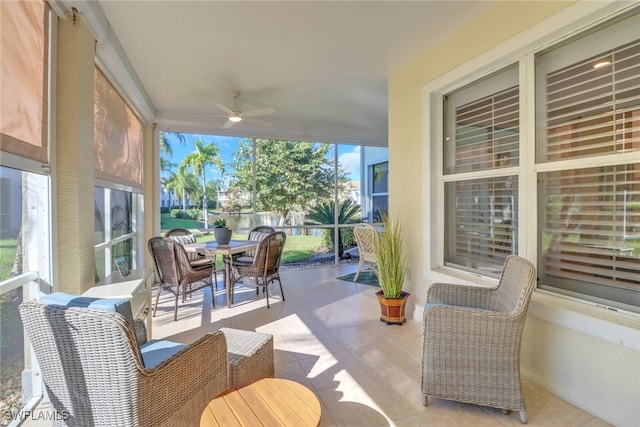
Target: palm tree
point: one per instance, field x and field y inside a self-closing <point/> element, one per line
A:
<point x="203" y="156"/>
<point x="183" y="183"/>
<point x="323" y="213"/>
<point x="165" y="148"/>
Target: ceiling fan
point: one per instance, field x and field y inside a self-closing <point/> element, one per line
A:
<point x="235" y="115"/>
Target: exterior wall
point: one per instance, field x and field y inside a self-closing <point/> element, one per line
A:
<point x="596" y="368"/>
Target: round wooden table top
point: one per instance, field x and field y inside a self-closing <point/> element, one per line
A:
<point x="267" y="402"/>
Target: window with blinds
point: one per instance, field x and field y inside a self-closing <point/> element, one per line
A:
<point x="486" y="133"/>
<point x="592" y="106"/>
<point x="589" y="214"/>
<point x="481" y="223"/>
<point x="482" y="134"/>
<point x="590" y="231"/>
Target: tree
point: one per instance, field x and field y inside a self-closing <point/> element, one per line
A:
<point x="183" y="183"/>
<point x="324" y="213"/>
<point x="165" y="148"/>
<point x="290" y="175"/>
<point x="204" y="155"/>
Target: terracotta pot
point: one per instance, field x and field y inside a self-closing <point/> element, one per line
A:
<point x="223" y="235"/>
<point x="392" y="309"/>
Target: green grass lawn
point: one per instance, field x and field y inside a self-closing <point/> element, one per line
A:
<point x="167" y="222"/>
<point x="8" y="248"/>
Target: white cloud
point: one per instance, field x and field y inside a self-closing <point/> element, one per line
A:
<point x="350" y="162"/>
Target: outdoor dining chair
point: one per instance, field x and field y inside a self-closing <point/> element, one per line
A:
<point x="365" y="234"/>
<point x="184" y="237"/>
<point x="256" y="234"/>
<point x="175" y="273"/>
<point x="265" y="268"/>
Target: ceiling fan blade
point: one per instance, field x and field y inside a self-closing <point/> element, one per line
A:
<point x="224" y="108"/>
<point x="258" y="122"/>
<point x="228" y="124"/>
<point x="258" y="112"/>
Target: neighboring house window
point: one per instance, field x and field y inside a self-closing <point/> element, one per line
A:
<point x="118" y="170"/>
<point x="481" y="146"/>
<point x="379" y="190"/>
<point x="586" y="166"/>
<point x="589" y="191"/>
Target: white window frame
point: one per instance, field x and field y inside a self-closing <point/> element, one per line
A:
<point x="521" y="48"/>
<point x="137" y="227"/>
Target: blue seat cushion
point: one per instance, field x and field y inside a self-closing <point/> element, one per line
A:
<point x="156" y="351"/>
<point x="119" y="305"/>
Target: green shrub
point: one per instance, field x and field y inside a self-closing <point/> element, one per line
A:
<point x="180" y="214"/>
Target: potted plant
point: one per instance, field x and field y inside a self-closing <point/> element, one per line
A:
<point x="390" y="268"/>
<point x="221" y="231"/>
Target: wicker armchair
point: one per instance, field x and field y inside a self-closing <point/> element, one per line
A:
<point x="471" y="339"/>
<point x="265" y="267"/>
<point x="365" y="234"/>
<point x="96" y="374"/>
<point x="174" y="271"/>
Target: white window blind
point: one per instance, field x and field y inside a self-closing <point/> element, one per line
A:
<point x="482" y="223"/>
<point x="482" y="125"/>
<point x="592" y="106"/>
<point x="591" y="230"/>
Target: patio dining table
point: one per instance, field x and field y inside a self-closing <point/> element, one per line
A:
<point x="212" y="248"/>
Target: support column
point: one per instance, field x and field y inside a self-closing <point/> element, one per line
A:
<point x="75" y="156"/>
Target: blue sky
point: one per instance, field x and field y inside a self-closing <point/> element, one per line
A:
<point x="348" y="155"/>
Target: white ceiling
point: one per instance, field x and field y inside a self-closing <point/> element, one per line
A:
<point x="322" y="65"/>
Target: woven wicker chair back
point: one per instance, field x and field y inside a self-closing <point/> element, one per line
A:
<point x="172" y="263"/>
<point x="263" y="229"/>
<point x="365" y="234"/>
<point x="164" y="260"/>
<point x="269" y="252"/>
<point x="88" y="359"/>
<point x="515" y="287"/>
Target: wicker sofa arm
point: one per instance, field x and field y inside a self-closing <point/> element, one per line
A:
<point x="176" y="391"/>
<point x="460" y="295"/>
<point x="469" y="328"/>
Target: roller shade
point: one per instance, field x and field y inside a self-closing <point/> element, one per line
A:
<point x="23" y="79"/>
<point x="118" y="137"/>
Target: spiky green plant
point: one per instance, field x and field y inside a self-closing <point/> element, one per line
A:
<point x="390" y="251"/>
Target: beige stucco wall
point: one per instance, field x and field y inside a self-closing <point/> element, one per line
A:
<point x="600" y="376"/>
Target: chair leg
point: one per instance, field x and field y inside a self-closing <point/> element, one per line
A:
<point x="281" y="290"/>
<point x="523" y="416"/>
<point x="213" y="295"/>
<point x="425" y="400"/>
<point x="175" y="310"/>
<point x="157" y="299"/>
<point x="360" y="263"/>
